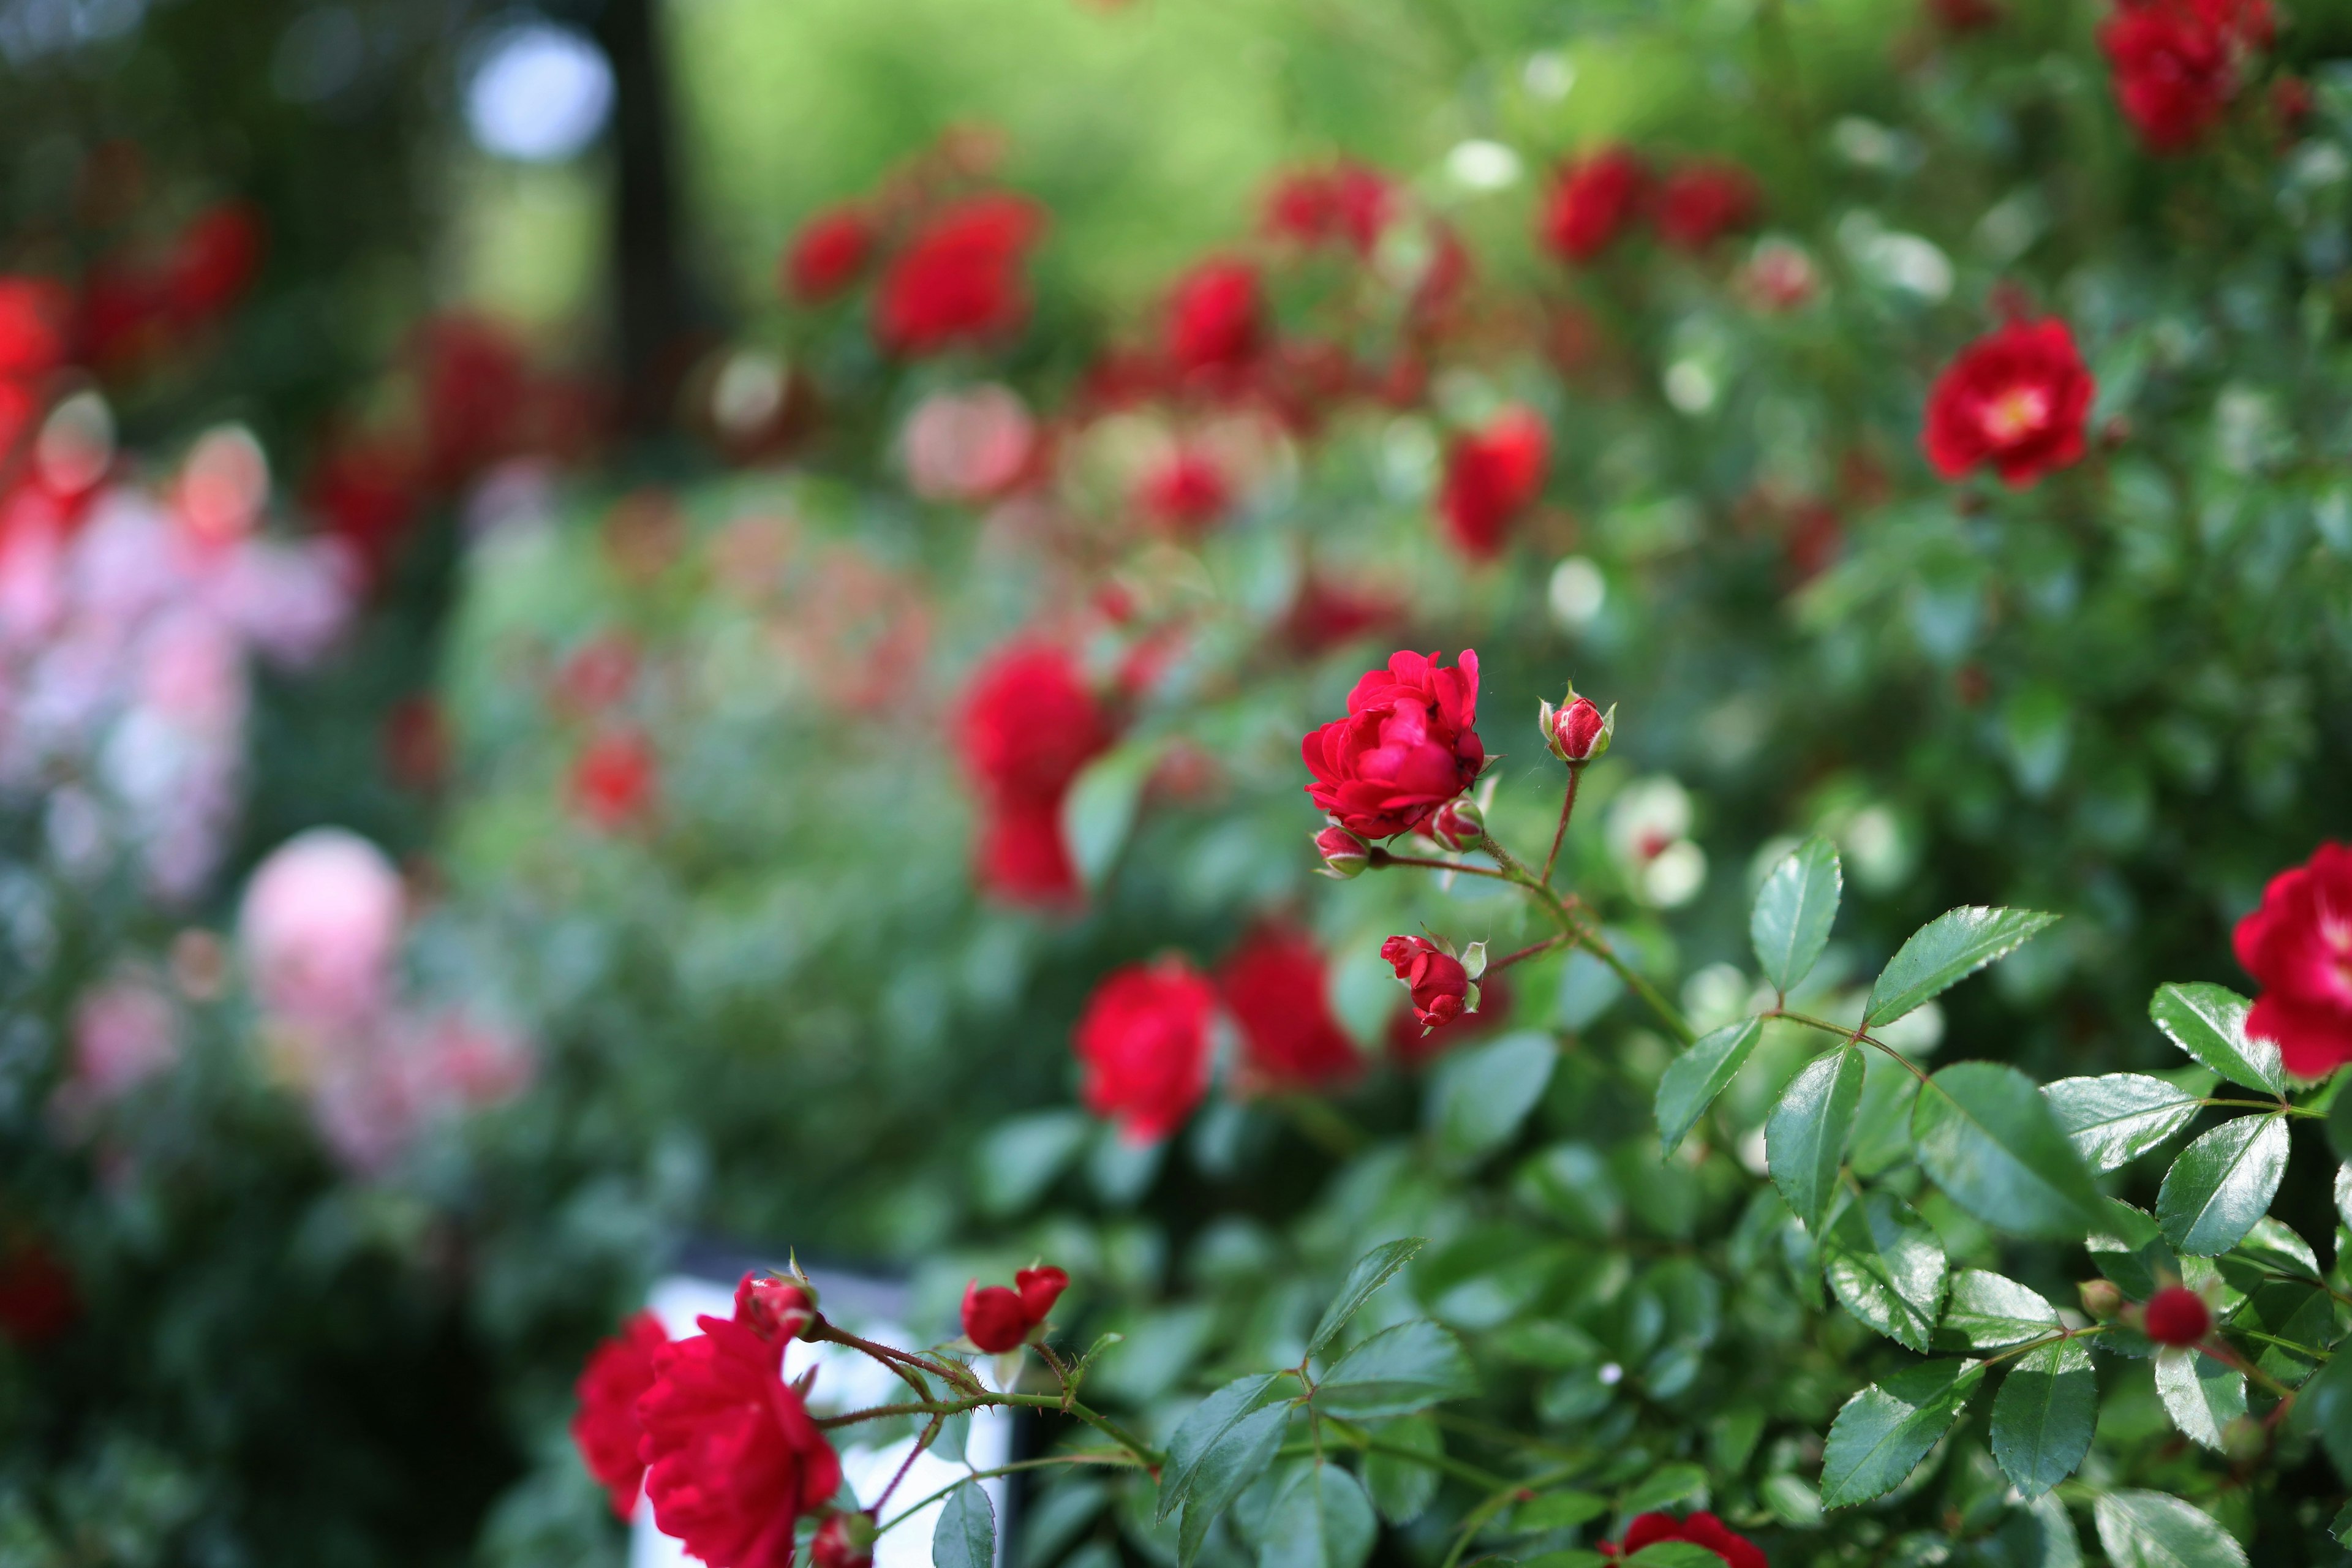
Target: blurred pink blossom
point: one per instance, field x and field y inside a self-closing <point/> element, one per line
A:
<point x="321" y="926"/>
<point x="968" y="445"/>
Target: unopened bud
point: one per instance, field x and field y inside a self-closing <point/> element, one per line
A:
<point x="1577" y="732"/>
<point x="776" y="1309"/>
<point x="2100" y="1299"/>
<point x="1458" y="823"/>
<point x="2176" y="1315"/>
<point x="844" y="1541"/>
<point x="1344" y="854"/>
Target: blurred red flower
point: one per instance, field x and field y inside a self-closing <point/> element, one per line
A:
<point x="1027" y="725"/>
<point x="38" y="1301"/>
<point x="613" y="780"/>
<point x="1276" y="986"/>
<point x="1183" y="492"/>
<point x="1590" y="202"/>
<point x="604" y="1428"/>
<point x="959" y="279"/>
<point x="1701" y="1529"/>
<point x="35" y="324"/>
<point x="1347" y="202"/>
<point x="2176" y="64"/>
<point x="2015" y="400"/>
<point x="212" y="262"/>
<point x="1701" y="202"/>
<point x="1491" y="477"/>
<point x="1143" y="1041"/>
<point x="2297" y="944"/>
<point x="827" y="255"/>
<point x="1215" y="317"/>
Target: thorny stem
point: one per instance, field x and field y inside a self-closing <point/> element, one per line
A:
<point x="1566" y="805"/>
<point x="930" y="1435"/>
<point x="1381" y="857"/>
<point x="1531" y="951"/>
<point x="824" y="1331"/>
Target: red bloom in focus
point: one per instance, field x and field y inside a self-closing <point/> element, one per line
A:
<point x="2176" y="1316"/>
<point x="998" y="1320"/>
<point x="1276" y="986"/>
<point x="1347" y="202"/>
<point x="1184" y="492"/>
<point x="2015" y="399"/>
<point x="2298" y="947"/>
<point x="604" y="1428"/>
<point x="1491" y="477"/>
<point x="36" y="318"/>
<point x="959" y="279"/>
<point x="1701" y="202"/>
<point x="613" y="780"/>
<point x="1143" y="1041"/>
<point x="1029" y="724"/>
<point x="1214" y="316"/>
<point x="38" y="1298"/>
<point x="827" y="254"/>
<point x="1406" y="747"/>
<point x="733" y="1457"/>
<point x="1590" y="202"/>
<point x="2176" y="64"/>
<point x="1440" y="985"/>
<point x="212" y="262"/>
<point x="1701" y="1529"/>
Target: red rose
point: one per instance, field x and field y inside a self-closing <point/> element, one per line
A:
<point x="613" y="780"/>
<point x="35" y="317"/>
<point x="998" y="1320"/>
<point x="1215" y="317"/>
<point x="1184" y="492"/>
<point x="2298" y="947"/>
<point x="604" y="1428"/>
<point x="772" y="1309"/>
<point x="2176" y="64"/>
<point x="1439" y="985"/>
<point x="844" y="1541"/>
<point x="1701" y="202"/>
<point x="1700" y="1529"/>
<point x="1406" y="747"/>
<point x="1577" y="732"/>
<point x="733" y="1457"/>
<point x="38" y="1301"/>
<point x="1590" y="202"/>
<point x="212" y="262"/>
<point x="2015" y="399"/>
<point x="1144" y="1044"/>
<point x="827" y="254"/>
<point x="1020" y="855"/>
<point x="2176" y="1316"/>
<point x="1347" y="203"/>
<point x="1030" y="721"/>
<point x="1040" y="1288"/>
<point x="1491" y="476"/>
<point x="959" y="279"/>
<point x="1277" y="987"/>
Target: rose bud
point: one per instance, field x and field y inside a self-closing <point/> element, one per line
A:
<point x="1458" y="825"/>
<point x="844" y="1541"/>
<point x="2100" y="1299"/>
<point x="994" y="1317"/>
<point x="1039" y="1288"/>
<point x="776" y="1309"/>
<point x="1344" y="854"/>
<point x="1577" y="732"/>
<point x="1441" y="986"/>
<point x="2176" y="1316"/>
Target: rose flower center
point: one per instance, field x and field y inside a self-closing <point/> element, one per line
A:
<point x="2020" y="412"/>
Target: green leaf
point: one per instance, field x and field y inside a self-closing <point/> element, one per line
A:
<point x="2154" y="1529"/>
<point x="1574" y="1558"/>
<point x="1483" y="1092"/>
<point x="1234" y="1462"/>
<point x="1694" y="1078"/>
<point x="1099" y="809"/>
<point x="1944" y="952"/>
<point x="1402" y="1488"/>
<point x="2221" y="1183"/>
<point x="2208" y="1021"/>
<point x="2053" y="1544"/>
<point x="1320" y="1520"/>
<point x="2118" y="1116"/>
<point x="1396" y="1371"/>
<point x="1990" y="1313"/>
<point x="965" y="1536"/>
<point x="1557" y="1510"/>
<point x="1884" y="1431"/>
<point x="1205" y="1430"/>
<point x="1987" y="1137"/>
<point x="2342" y="1528"/>
<point x="2043" y="1418"/>
<point x="1368" y="1274"/>
<point x="1794" y="909"/>
<point x="1020" y="1159"/>
<point x="1804" y="1138"/>
<point x="2200" y="1393"/>
<point x="1668" y="1483"/>
<point x="2324" y="1407"/>
<point x="1887" y="1266"/>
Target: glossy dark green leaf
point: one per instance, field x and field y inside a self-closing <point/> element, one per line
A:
<point x="2118" y="1116"/>
<point x="2042" y="1417"/>
<point x="2155" y="1530"/>
<point x="1882" y="1434"/>
<point x="1804" y="1138"/>
<point x="1365" y="1276"/>
<point x="2200" y="1394"/>
<point x="1481" y="1094"/>
<point x="2298" y="1321"/>
<point x="1666" y="1484"/>
<point x="1944" y="952"/>
<point x="1692" y="1079"/>
<point x="2208" y="1021"/>
<point x="1231" y="1465"/>
<point x="1398" y="1371"/>
<point x="1988" y="1312"/>
<point x="1401" y="1487"/>
<point x="1207" y="1427"/>
<point x="965" y="1536"/>
<point x="1794" y="909"/>
<point x="2222" y="1184"/>
<point x="1321" y="1519"/>
<point x="1988" y="1138"/>
<point x="1887" y="1267"/>
<point x="1557" y="1510"/>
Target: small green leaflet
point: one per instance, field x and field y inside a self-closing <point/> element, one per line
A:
<point x="1988" y="1312"/>
<point x="2155" y="1530"/>
<point x="1887" y="1267"/>
<point x="1233" y="1462"/>
<point x="1557" y="1510"/>
<point x="1794" y="909"/>
<point x="1882" y="1434"/>
<point x="2222" y="1184"/>
<point x="1987" y="1137"/>
<point x="2208" y="1021"/>
<point x="1402" y="1488"/>
<point x="1320" y="1519"/>
<point x="1099" y="808"/>
<point x="965" y="1536"/>
<point x="1668" y="1483"/>
<point x="1944" y="952"/>
<point x="1369" y="1273"/>
<point x="2043" y="1418"/>
<point x="1694" y="1078"/>
<point x="2118" y="1116"/>
<point x="2199" y="1393"/>
<point x="1398" y="1371"/>
<point x="1804" y="1138"/>
<point x="1210" y="1423"/>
